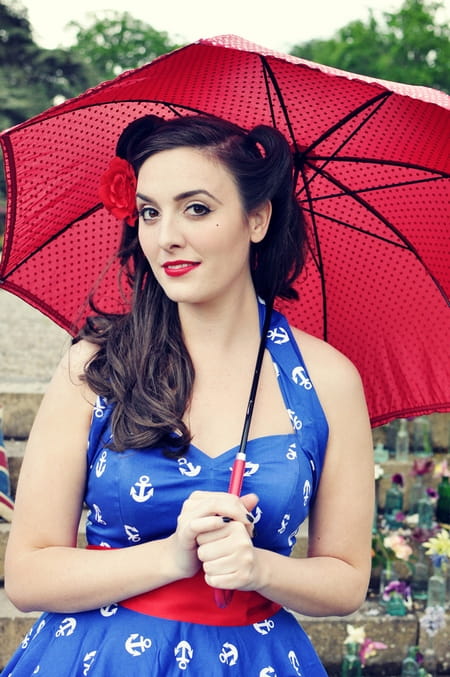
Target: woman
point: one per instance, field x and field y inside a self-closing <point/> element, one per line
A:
<point x="161" y="393"/>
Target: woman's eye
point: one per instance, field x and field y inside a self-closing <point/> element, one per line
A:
<point x="148" y="213"/>
<point x="198" y="209"/>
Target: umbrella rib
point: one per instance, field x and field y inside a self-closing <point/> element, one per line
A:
<point x="373" y="188"/>
<point x="378" y="161"/>
<point x="50" y="239"/>
<point x="388" y="224"/>
<point x="317" y="257"/>
<point x="268" y="72"/>
<point x="351" y="226"/>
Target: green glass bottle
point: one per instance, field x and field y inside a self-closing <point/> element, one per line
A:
<point x="351" y="664"/>
<point x="393" y="503"/>
<point x="425" y="509"/>
<point x="410" y="667"/>
<point x="443" y="502"/>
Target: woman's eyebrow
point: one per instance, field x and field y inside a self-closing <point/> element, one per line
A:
<point x="183" y="196"/>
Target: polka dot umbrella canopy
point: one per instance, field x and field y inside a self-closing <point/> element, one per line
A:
<point x="373" y="162"/>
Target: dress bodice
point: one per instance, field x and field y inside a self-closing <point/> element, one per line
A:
<point x="136" y="495"/>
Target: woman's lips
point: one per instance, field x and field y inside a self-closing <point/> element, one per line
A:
<point x="179" y="268"/>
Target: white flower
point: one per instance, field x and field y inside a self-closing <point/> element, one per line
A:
<point x="355" y="635"/>
<point x="379" y="472"/>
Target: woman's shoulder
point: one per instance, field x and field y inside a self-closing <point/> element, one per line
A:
<point x="78" y="356"/>
<point x="327" y="366"/>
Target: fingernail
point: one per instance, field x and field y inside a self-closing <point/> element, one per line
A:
<point x="226" y="519"/>
<point x="250" y="517"/>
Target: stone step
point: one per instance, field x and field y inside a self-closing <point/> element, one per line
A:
<point x="20" y="403"/>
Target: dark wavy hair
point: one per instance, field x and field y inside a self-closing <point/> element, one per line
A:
<point x="142" y="365"/>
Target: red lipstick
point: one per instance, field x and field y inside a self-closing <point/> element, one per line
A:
<point x="178" y="268"/>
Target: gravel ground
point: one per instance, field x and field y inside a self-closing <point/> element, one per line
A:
<point x="31" y="345"/>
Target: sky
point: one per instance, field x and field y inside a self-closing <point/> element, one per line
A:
<point x="277" y="25"/>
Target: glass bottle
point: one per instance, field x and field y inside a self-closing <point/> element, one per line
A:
<point x="416" y="492"/>
<point x="393" y="504"/>
<point x="380" y="453"/>
<point x="443" y="502"/>
<point x="436" y="592"/>
<point x="351" y="664"/>
<point x="425" y="509"/>
<point x="422" y="437"/>
<point x="419" y="579"/>
<point x="396" y="606"/>
<point x="410" y="667"/>
<point x="402" y="442"/>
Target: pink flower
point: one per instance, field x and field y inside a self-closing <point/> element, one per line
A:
<point x="422" y="466"/>
<point x="117" y="190"/>
<point x="368" y="649"/>
<point x="397" y="543"/>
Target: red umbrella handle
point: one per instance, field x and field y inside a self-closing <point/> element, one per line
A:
<point x="224" y="597"/>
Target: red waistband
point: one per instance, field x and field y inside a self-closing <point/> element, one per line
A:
<point x="192" y="600"/>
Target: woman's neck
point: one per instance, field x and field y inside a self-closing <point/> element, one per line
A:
<point x="220" y="327"/>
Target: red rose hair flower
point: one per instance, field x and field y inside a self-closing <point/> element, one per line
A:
<point x="117" y="190"/>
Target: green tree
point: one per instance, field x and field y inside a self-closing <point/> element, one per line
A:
<point x="31" y="77"/>
<point x="406" y="46"/>
<point x="115" y="42"/>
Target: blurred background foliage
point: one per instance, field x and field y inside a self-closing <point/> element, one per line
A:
<point x="410" y="46"/>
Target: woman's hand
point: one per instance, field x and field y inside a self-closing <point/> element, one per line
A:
<point x="215" y="529"/>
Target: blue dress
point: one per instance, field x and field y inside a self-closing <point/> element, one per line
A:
<point x="136" y="495"/>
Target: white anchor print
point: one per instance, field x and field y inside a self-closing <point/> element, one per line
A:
<point x="101" y="464"/>
<point x="257" y="514"/>
<point x="284" y="523"/>
<point x="229" y="654"/>
<point x="292" y="539"/>
<point x="99" y="408"/>
<point x="299" y="377"/>
<point x="98" y="514"/>
<point x="109" y="610"/>
<point x="87" y="661"/>
<point x="292" y="452"/>
<point x="294" y="662"/>
<point x="26" y="640"/>
<point x="264" y="627"/>
<point x="67" y="627"/>
<point x="296" y="422"/>
<point x="41" y="625"/>
<point x="249" y="468"/>
<point x="136" y="644"/>
<point x="268" y="672"/>
<point x="187" y="468"/>
<point x="132" y="533"/>
<point x="183" y="654"/>
<point x="306" y="492"/>
<point x="278" y="335"/>
<point x="144" y="489"/>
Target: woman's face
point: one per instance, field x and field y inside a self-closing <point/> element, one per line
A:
<point x="192" y="226"/>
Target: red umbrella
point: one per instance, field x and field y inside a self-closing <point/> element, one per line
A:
<point x="373" y="159"/>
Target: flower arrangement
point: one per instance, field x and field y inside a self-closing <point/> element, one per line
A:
<point x="441" y="469"/>
<point x="438" y="547"/>
<point x="117" y="190"/>
<point x="422" y="466"/>
<point x="389" y="549"/>
<point x="400" y="590"/>
<point x="367" y="648"/>
<point x="433" y="620"/>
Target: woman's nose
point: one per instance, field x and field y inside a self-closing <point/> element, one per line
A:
<point x="170" y="233"/>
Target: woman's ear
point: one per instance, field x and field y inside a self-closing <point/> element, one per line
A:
<point x="259" y="219"/>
